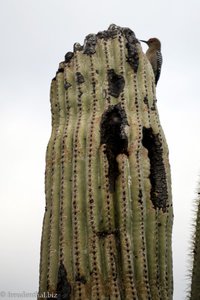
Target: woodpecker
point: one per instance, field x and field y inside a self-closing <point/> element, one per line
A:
<point x="154" y="56"/>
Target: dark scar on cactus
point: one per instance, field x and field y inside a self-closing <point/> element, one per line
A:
<point x="153" y="107"/>
<point x="90" y="44"/>
<point x="111" y="33"/>
<point x="60" y="70"/>
<point x="146" y="101"/>
<point x="104" y="233"/>
<point x="63" y="285"/>
<point x="131" y="45"/>
<point x="80" y="279"/>
<point x="79" y="78"/>
<point x="77" y="47"/>
<point x="107" y="34"/>
<point x="159" y="193"/>
<point x="116" y="83"/>
<point x="67" y="85"/>
<point x="68" y="56"/>
<point x="113" y="135"/>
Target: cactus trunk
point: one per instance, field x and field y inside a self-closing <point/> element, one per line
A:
<point x="108" y="220"/>
<point x="195" y="286"/>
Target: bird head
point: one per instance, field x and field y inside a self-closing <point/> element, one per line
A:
<point x="153" y="42"/>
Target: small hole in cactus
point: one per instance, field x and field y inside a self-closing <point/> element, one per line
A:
<point x="116" y="83"/>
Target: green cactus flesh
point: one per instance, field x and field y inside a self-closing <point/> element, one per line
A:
<point x="108" y="219"/>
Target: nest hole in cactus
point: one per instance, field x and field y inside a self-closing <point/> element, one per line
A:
<point x="159" y="193"/>
<point x="113" y="135"/>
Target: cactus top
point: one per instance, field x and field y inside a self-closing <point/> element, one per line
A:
<point x="112" y="32"/>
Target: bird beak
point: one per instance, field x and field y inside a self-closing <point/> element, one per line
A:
<point x="144" y="41"/>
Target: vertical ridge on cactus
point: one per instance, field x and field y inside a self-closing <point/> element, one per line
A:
<point x="108" y="218"/>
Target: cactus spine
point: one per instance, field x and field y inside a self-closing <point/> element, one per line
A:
<point x="108" y="219"/>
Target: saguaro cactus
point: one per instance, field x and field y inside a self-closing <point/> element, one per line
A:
<point x="195" y="286"/>
<point x="108" y="219"/>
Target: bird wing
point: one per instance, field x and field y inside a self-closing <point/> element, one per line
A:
<point x="159" y="64"/>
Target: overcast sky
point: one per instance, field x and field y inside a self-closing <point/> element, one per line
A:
<point x="35" y="35"/>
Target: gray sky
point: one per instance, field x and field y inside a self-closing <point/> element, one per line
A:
<point x="35" y="35"/>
